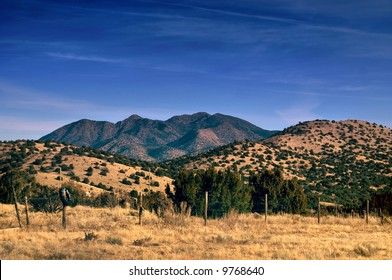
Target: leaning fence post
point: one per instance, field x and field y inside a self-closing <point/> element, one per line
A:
<point x="318" y="211"/>
<point x="206" y="210"/>
<point x="27" y="212"/>
<point x="16" y="205"/>
<point x="266" y="207"/>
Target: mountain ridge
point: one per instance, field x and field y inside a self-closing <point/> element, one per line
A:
<point x="157" y="140"/>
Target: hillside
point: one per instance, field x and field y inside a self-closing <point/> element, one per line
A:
<point x="343" y="161"/>
<point x="340" y="160"/>
<point x="93" y="171"/>
<point x="156" y="140"/>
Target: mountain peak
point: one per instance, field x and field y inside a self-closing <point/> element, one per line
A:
<point x="133" y="117"/>
<point x="146" y="139"/>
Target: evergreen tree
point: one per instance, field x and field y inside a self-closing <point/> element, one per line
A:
<point x="284" y="196"/>
<point x="21" y="181"/>
<point x="226" y="192"/>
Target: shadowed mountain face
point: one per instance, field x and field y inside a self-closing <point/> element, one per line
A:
<point x="155" y="140"/>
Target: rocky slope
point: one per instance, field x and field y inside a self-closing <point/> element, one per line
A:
<point x="155" y="140"/>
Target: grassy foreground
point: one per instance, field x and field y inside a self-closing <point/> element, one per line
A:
<point x="114" y="234"/>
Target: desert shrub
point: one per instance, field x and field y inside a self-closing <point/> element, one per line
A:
<point x="175" y="219"/>
<point x="156" y="202"/>
<point x="106" y="199"/>
<point x="365" y="250"/>
<point x="89" y="171"/>
<point x="104" y="171"/>
<point x="114" y="240"/>
<point x="125" y="181"/>
<point x="134" y="193"/>
<point x="45" y="199"/>
<point x="141" y="242"/>
<point x="90" y="236"/>
<point x="155" y="184"/>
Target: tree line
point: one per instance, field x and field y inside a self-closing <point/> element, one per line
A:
<point x="229" y="191"/>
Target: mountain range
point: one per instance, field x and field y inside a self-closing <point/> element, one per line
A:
<point x="156" y="140"/>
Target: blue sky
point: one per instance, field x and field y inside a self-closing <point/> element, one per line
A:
<point x="273" y="63"/>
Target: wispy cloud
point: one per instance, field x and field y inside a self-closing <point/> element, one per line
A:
<point x="351" y="88"/>
<point x="71" y="56"/>
<point x="279" y="19"/>
<point x="131" y="63"/>
<point x="229" y="13"/>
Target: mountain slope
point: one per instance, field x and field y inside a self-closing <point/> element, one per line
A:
<point x="146" y="139"/>
<point x="339" y="160"/>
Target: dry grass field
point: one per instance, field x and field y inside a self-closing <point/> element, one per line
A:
<point x="114" y="234"/>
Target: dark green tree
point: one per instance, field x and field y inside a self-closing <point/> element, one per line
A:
<point x="21" y="181"/>
<point x="226" y="192"/>
<point x="284" y="196"/>
<point x="382" y="199"/>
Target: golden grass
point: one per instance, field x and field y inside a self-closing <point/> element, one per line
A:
<point x="116" y="171"/>
<point x="114" y="234"/>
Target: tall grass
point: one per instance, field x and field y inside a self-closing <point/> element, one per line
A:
<point x="115" y="234"/>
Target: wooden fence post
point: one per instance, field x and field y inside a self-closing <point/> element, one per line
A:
<point x="318" y="211"/>
<point x="27" y="212"/>
<point x="206" y="210"/>
<point x="64" y="218"/>
<point x="367" y="212"/>
<point x="266" y="207"/>
<point x="65" y="198"/>
<point x="141" y="209"/>
<point x="16" y="205"/>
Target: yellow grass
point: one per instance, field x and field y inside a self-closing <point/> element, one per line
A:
<point x="82" y="163"/>
<point x="114" y="234"/>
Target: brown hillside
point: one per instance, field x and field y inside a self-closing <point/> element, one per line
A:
<point x="44" y="161"/>
<point x="332" y="136"/>
<point x="321" y="148"/>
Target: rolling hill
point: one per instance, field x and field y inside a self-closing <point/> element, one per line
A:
<point x="91" y="170"/>
<point x="342" y="160"/>
<point x="154" y="140"/>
